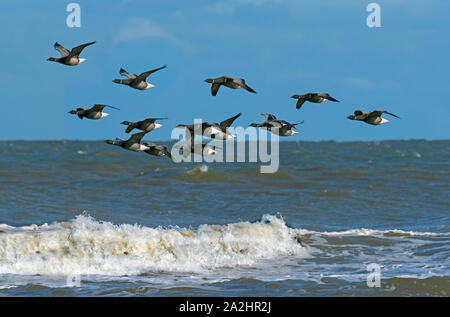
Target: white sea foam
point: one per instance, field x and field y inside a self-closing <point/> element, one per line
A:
<point x="371" y="232"/>
<point x="87" y="246"/>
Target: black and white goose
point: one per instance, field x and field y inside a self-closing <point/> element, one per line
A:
<point x="371" y="117"/>
<point x="316" y="97"/>
<point x="132" y="144"/>
<point x="202" y="149"/>
<point x="137" y="81"/>
<point x="156" y="149"/>
<point x="94" y="113"/>
<point x="70" y="58"/>
<point x="210" y="129"/>
<point x="144" y="125"/>
<point x="276" y="126"/>
<point x="227" y="81"/>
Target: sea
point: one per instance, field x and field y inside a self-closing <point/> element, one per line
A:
<point x="84" y="218"/>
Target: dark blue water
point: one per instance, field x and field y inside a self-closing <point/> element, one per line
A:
<point x="129" y="223"/>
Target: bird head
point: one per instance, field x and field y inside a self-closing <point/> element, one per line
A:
<point x="211" y="150"/>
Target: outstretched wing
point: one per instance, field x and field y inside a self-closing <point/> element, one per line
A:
<point x="214" y="89"/>
<point x="226" y="123"/>
<point x="391" y="114"/>
<point x="325" y="96"/>
<point x="137" y="137"/>
<point x="300" y="103"/>
<point x="123" y="72"/>
<point x="77" y="50"/>
<point x="98" y="107"/>
<point x="269" y="117"/>
<point x="328" y="97"/>
<point x="293" y="125"/>
<point x="64" y="51"/>
<point x="144" y="75"/>
<point x="245" y="86"/>
<point x="151" y="120"/>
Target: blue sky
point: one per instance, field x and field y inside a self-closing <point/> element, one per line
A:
<point x="280" y="47"/>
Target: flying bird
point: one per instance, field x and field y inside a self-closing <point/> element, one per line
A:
<point x="137" y="81"/>
<point x="202" y="149"/>
<point x="373" y="117"/>
<point x="94" y="113"/>
<point x="316" y="97"/>
<point x="69" y="58"/>
<point x="132" y="144"/>
<point x="144" y="125"/>
<point x="156" y="149"/>
<point x="230" y="82"/>
<point x="276" y="126"/>
<point x="210" y="129"/>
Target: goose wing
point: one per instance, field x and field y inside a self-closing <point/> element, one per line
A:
<point x="226" y="123"/>
<point x="151" y="120"/>
<point x="391" y="114"/>
<point x="214" y="89"/>
<point x="137" y="137"/>
<point x="123" y="72"/>
<point x="98" y="107"/>
<point x="300" y="103"/>
<point x="241" y="82"/>
<point x="326" y="96"/>
<point x="269" y="117"/>
<point x="64" y="51"/>
<point x="144" y="75"/>
<point x="77" y="50"/>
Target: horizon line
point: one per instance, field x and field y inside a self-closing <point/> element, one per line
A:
<point x="175" y="140"/>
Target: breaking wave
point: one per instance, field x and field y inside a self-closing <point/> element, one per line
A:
<point x="87" y="246"/>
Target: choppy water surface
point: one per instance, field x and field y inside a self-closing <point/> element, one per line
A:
<point x="133" y="224"/>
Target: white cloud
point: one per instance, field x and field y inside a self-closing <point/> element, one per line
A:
<point x="137" y="28"/>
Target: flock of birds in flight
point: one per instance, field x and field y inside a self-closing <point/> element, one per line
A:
<point x="207" y="129"/>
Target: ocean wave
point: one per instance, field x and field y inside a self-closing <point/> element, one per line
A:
<point x="87" y="246"/>
<point x="371" y="232"/>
